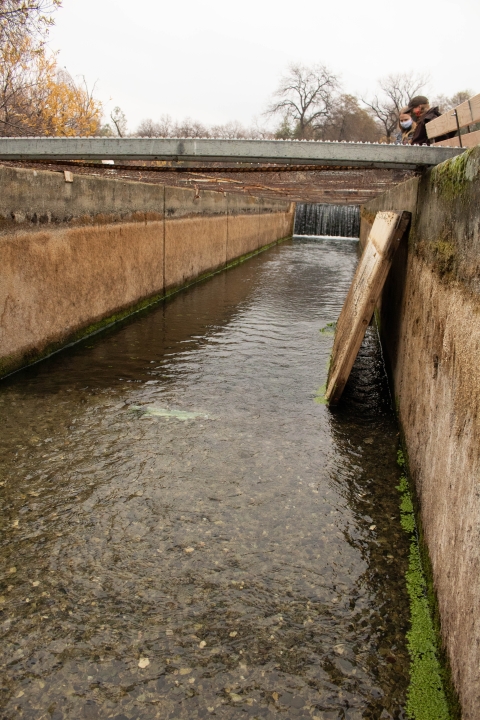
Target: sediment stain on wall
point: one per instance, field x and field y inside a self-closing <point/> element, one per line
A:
<point x="430" y="326"/>
<point x="76" y="256"/>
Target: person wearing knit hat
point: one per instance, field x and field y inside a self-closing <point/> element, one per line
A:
<point x="418" y="105"/>
<point x="420" y="110"/>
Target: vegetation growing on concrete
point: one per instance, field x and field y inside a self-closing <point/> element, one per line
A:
<point x="445" y="256"/>
<point x="320" y="398"/>
<point x="450" y="178"/>
<point x="320" y="395"/>
<point x="329" y="329"/>
<point x="426" y="698"/>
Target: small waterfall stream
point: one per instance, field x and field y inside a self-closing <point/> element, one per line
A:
<point x="329" y="220"/>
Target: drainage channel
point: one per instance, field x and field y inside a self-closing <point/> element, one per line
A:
<point x="188" y="531"/>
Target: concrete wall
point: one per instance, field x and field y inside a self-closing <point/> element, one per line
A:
<point x="76" y="256"/>
<point x="430" y="328"/>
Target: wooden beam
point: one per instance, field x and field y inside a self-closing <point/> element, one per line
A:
<point x="468" y="140"/>
<point x="367" y="284"/>
<point x="468" y="112"/>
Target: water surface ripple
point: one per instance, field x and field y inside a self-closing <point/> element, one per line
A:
<point x="186" y="532"/>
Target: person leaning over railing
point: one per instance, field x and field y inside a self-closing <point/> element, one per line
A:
<point x="406" y="127"/>
<point x="422" y="113"/>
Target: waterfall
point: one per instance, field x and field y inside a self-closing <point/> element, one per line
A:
<point x="332" y="220"/>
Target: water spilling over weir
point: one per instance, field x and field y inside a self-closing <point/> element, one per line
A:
<point x="327" y="220"/>
<point x="188" y="533"/>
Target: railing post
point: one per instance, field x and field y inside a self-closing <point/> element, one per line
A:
<point x="458" y="127"/>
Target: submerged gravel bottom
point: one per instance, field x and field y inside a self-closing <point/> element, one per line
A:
<point x="187" y="532"/>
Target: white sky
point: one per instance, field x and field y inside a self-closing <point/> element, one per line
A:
<point x="215" y="60"/>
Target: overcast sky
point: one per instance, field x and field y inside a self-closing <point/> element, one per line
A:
<point x="215" y="60"/>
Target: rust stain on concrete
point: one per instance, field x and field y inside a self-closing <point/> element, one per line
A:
<point x="193" y="247"/>
<point x="56" y="281"/>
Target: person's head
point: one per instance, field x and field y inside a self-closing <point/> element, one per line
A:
<point x="405" y="119"/>
<point x="417" y="106"/>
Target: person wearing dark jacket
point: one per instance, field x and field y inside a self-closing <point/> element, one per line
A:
<point x="420" y="109"/>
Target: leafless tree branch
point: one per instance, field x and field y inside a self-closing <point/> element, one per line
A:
<point x="305" y="97"/>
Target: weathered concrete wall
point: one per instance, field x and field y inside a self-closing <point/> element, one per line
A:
<point x="430" y="327"/>
<point x="76" y="256"/>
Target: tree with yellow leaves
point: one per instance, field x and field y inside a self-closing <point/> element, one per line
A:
<point x="36" y="97"/>
<point x="25" y="17"/>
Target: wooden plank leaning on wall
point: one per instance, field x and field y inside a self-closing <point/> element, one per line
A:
<point x="369" y="279"/>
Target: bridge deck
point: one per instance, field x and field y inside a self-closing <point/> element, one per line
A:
<point x="367" y="155"/>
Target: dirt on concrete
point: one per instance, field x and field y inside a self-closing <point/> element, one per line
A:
<point x="316" y="184"/>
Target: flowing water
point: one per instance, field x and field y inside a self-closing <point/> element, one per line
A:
<point x="187" y="532"/>
<point x="323" y="219"/>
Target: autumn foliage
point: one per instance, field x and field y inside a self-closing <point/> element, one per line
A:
<point x="36" y="97"/>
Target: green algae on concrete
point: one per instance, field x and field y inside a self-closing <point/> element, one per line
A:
<point x="320" y="398"/>
<point x="451" y="178"/>
<point x="329" y="329"/>
<point x="445" y="256"/>
<point x="426" y="699"/>
<point x="154" y="411"/>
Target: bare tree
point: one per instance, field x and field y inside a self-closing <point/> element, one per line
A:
<point x="230" y="131"/>
<point x="119" y="120"/>
<point x="189" y="128"/>
<point x="446" y="103"/>
<point x="25" y="17"/>
<point x="149" y="129"/>
<point x="166" y="127"/>
<point x="305" y="98"/>
<point x="396" y="93"/>
<point x="349" y="122"/>
<point x="259" y="132"/>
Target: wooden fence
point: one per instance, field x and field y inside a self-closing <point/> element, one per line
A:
<point x="455" y="120"/>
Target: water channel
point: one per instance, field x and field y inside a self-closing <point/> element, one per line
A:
<point x="188" y="532"/>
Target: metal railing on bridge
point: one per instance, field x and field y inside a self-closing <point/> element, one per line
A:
<point x="281" y="152"/>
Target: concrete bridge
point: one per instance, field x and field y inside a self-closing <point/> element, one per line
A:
<point x="289" y="152"/>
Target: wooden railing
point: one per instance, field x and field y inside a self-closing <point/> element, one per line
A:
<point x="455" y="120"/>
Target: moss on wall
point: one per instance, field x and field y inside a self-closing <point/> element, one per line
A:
<point x="444" y="256"/>
<point x="430" y="695"/>
<point x="450" y="179"/>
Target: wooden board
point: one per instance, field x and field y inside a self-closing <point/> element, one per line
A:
<point x="362" y="297"/>
<point x="469" y="140"/>
<point x="468" y="112"/>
